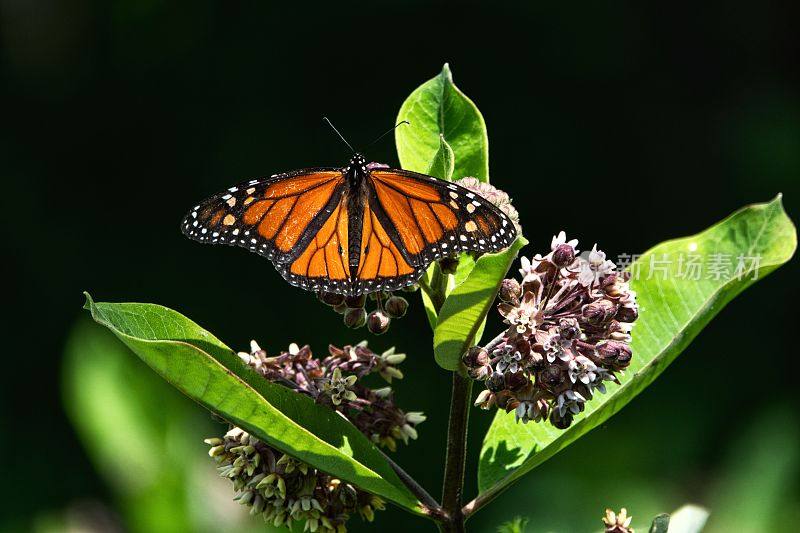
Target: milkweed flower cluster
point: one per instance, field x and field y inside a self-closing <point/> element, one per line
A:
<point x="335" y="381"/>
<point x="569" y="322"/>
<point x="285" y="490"/>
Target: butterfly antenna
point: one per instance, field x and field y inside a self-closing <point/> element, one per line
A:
<point x="384" y="134"/>
<point x="339" y="134"/>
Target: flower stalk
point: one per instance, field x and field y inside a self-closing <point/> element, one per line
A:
<point x="456" y="454"/>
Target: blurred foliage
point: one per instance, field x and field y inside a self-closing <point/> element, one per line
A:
<point x="757" y="489"/>
<point x="517" y="525"/>
<point x="145" y="440"/>
<point x="687" y="519"/>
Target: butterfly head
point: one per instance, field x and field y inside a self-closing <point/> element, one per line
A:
<point x="358" y="162"/>
<point x="356" y="167"/>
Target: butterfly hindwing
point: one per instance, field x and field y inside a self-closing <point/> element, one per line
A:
<point x="322" y="263"/>
<point x="382" y="263"/>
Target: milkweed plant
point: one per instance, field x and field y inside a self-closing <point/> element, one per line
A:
<point x="309" y="440"/>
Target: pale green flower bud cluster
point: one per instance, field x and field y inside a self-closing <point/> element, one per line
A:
<point x="284" y="490"/>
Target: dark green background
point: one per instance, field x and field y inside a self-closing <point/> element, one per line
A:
<point x="623" y="124"/>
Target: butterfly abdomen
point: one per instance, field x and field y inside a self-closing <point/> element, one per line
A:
<point x="355" y="208"/>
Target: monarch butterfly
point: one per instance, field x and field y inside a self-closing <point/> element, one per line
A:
<point x="352" y="230"/>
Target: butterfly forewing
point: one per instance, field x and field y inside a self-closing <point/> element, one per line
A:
<point x="274" y="217"/>
<point x="433" y="218"/>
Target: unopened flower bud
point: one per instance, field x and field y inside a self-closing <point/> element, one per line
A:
<point x="331" y="298"/>
<point x="627" y="314"/>
<point x="476" y="356"/>
<point x="383" y="392"/>
<point x="354" y="302"/>
<point x="613" y="354"/>
<point x="510" y="291"/>
<point x="504" y="399"/>
<point x="552" y="376"/>
<point x="448" y="265"/>
<point x="563" y="255"/>
<point x="599" y="312"/>
<point x="378" y="322"/>
<point x="569" y="329"/>
<point x="355" y="317"/>
<point x="620" y="523"/>
<point x="516" y="381"/>
<point x="414" y="287"/>
<point x="341" y="308"/>
<point x="396" y="306"/>
<point x="416" y="417"/>
<point x="561" y="422"/>
<point x="496" y="382"/>
<point x="484" y="400"/>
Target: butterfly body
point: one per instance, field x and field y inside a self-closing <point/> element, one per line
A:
<point x="351" y="230"/>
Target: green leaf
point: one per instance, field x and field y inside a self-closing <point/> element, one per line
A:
<point x="466" y="263"/>
<point x="462" y="316"/>
<point x="673" y="310"/>
<point x="203" y="368"/>
<point x="438" y="108"/>
<point x="660" y="524"/>
<point x="443" y="162"/>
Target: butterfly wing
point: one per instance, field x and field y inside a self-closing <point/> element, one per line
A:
<point x="302" y="222"/>
<point x="382" y="264"/>
<point x="429" y="218"/>
<point x="322" y="264"/>
<point x="276" y="217"/>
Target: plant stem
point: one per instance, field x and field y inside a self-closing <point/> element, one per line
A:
<point x="438" y="288"/>
<point x="451" y="519"/>
<point x="482" y="499"/>
<point x="456" y="454"/>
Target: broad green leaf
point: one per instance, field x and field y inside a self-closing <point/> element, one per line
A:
<point x="673" y="310"/>
<point x="443" y="162"/>
<point x="438" y="108"/>
<point x="203" y="368"/>
<point x="466" y="263"/>
<point x="464" y="311"/>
